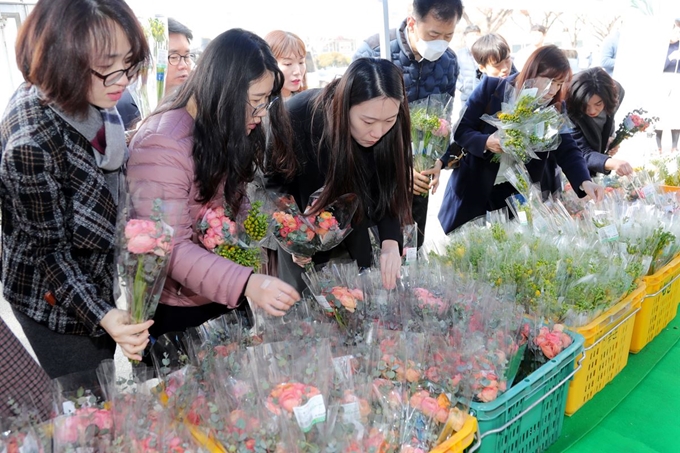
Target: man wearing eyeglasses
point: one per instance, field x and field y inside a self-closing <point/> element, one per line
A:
<point x="180" y="63"/>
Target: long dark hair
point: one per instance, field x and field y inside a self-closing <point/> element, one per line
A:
<point x="550" y="62"/>
<point x="366" y="79"/>
<point x="223" y="152"/>
<point x="593" y="81"/>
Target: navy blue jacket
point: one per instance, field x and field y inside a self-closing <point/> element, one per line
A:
<point x="420" y="78"/>
<point x="594" y="140"/>
<point x="471" y="188"/>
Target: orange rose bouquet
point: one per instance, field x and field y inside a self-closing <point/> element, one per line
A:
<point x="315" y="230"/>
<point x="338" y="289"/>
<point x="293" y="380"/>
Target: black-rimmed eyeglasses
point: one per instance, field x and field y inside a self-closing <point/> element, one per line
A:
<point x="112" y="77"/>
<point x="257" y="109"/>
<point x="175" y="58"/>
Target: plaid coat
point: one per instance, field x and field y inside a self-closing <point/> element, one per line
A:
<point x="21" y="377"/>
<point x="58" y="220"/>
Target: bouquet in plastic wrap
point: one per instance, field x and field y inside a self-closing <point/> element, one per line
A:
<point x="430" y="129"/>
<point x="633" y="122"/>
<point x="306" y="233"/>
<point x="292" y="380"/>
<point x="338" y="289"/>
<point x="83" y="422"/>
<point x="526" y="124"/>
<point x="235" y="237"/>
<point x="145" y="246"/>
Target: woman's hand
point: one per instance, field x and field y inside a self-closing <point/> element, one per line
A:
<point x="132" y="338"/>
<point x="433" y="173"/>
<point x="621" y="167"/>
<point x="390" y="263"/>
<point x="300" y="260"/>
<point x="612" y="152"/>
<point x="596" y="192"/>
<point x="421" y="183"/>
<point x="271" y="294"/>
<point x="493" y="143"/>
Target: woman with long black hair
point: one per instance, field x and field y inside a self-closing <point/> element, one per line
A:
<point x="201" y="147"/>
<point x="353" y="136"/>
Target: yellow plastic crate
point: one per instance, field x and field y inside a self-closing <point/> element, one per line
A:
<point x="659" y="306"/>
<point x="607" y="341"/>
<point x="461" y="440"/>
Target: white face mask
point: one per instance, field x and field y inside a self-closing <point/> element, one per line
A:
<point x="432" y="50"/>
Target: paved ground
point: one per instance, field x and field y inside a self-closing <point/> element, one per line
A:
<point x="637" y="151"/>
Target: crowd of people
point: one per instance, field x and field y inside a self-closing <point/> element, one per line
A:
<point x="244" y="113"/>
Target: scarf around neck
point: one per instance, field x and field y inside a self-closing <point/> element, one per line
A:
<point x="108" y="148"/>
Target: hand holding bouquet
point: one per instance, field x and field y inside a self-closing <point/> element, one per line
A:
<point x="145" y="246"/>
<point x="526" y="123"/>
<point x="304" y="234"/>
<point x="430" y="129"/>
<point x="632" y="123"/>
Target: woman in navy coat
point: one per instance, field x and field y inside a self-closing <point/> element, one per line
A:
<point x="473" y="188"/>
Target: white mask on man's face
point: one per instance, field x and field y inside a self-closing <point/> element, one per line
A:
<point x="432" y="50"/>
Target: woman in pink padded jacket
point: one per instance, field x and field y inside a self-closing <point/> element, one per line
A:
<point x="202" y="146"/>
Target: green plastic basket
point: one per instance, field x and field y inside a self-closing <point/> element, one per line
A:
<point x="528" y="417"/>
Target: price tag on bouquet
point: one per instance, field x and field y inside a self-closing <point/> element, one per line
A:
<point x="311" y="413"/>
<point x="324" y="303"/>
<point x="522" y="217"/>
<point x="411" y="254"/>
<point x="608" y="233"/>
<point x="350" y="412"/>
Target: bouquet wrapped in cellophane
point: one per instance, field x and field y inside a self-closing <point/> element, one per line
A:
<point x="236" y="237"/>
<point x="293" y="381"/>
<point x="145" y="243"/>
<point x="305" y="233"/>
<point x="526" y="123"/>
<point x="338" y="289"/>
<point x="430" y="129"/>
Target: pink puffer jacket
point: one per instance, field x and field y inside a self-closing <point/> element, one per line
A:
<point x="160" y="155"/>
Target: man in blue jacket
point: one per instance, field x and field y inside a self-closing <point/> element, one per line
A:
<point x="420" y="48"/>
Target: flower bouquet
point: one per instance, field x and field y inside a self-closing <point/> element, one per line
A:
<point x="293" y="384"/>
<point x="430" y="129"/>
<point x="526" y="125"/>
<point x="83" y="423"/>
<point x="306" y="233"/>
<point x="337" y="288"/>
<point x="236" y="238"/>
<point x="633" y="122"/>
<point x="145" y="245"/>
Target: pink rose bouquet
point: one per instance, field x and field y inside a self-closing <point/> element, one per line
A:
<point x="143" y="257"/>
<point x="633" y="122"/>
<point x="86" y="428"/>
<point x="236" y="238"/>
<point x="552" y="342"/>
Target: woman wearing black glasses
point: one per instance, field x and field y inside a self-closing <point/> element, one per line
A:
<point x="201" y="147"/>
<point x="63" y="151"/>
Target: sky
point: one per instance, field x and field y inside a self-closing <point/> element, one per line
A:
<point x="307" y="18"/>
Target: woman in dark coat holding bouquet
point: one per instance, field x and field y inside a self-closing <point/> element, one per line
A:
<point x="593" y="99"/>
<point x="476" y="187"/>
<point x="354" y="137"/>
